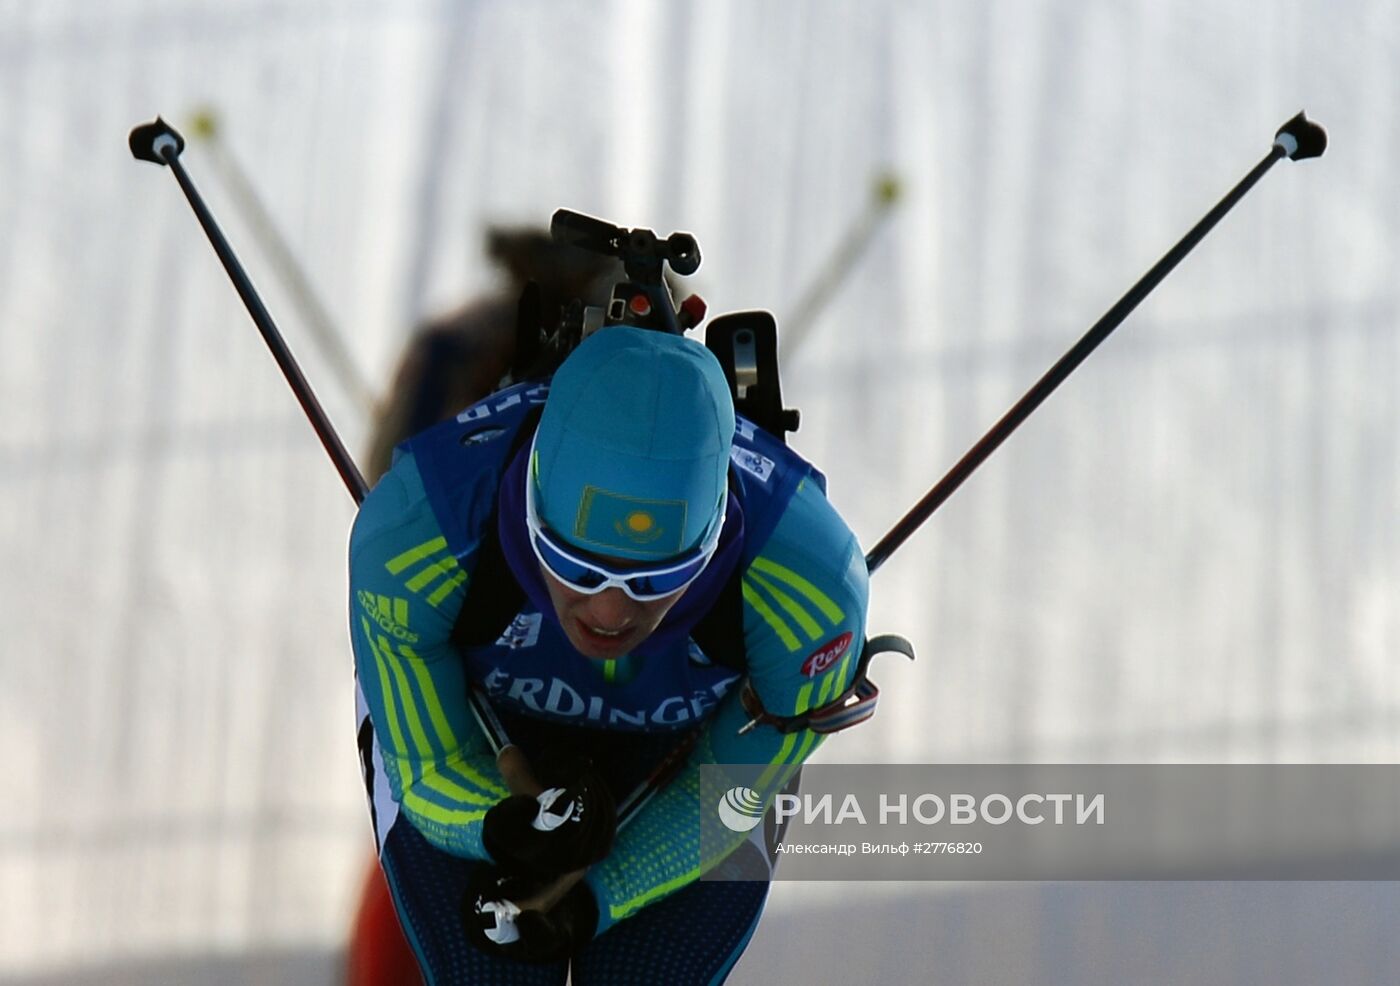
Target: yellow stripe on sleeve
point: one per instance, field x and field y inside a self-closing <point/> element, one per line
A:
<point x="436" y="714"/>
<point x="781" y="758"/>
<point x="446" y="786"/>
<point x="775" y="621"/>
<point x="827" y="686"/>
<point x="387" y="690"/>
<point x="845" y="666"/>
<point x="818" y="598"/>
<point x="415" y="722"/>
<point x="805" y="621"/>
<point x="398" y="563"/>
<point x="414" y="801"/>
<point x="619" y="911"/>
<point x="430" y="573"/>
<point x="458" y="766"/>
<point x="779" y="761"/>
<point x="445" y="590"/>
<point x="810" y="738"/>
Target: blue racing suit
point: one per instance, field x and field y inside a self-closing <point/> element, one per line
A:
<point x="432" y="773"/>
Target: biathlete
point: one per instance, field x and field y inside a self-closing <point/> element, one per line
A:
<point x="617" y="565"/>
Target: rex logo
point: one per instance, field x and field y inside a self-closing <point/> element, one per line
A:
<point x="826" y="655"/>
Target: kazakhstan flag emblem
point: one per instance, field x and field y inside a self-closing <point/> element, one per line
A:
<point x="612" y="520"/>
<point x="640" y="526"/>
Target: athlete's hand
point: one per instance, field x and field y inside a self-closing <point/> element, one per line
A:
<point x="558" y="820"/>
<point x="526" y="919"/>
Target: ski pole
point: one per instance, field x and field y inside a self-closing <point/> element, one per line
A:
<point x="159" y="143"/>
<point x="1297" y="139"/>
<point x="840" y="264"/>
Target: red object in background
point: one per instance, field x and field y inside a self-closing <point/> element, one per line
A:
<point x="692" y="312"/>
<point x="379" y="954"/>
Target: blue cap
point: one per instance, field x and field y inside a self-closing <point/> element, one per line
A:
<point x="632" y="451"/>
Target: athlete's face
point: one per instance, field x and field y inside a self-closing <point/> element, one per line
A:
<point x="607" y="624"/>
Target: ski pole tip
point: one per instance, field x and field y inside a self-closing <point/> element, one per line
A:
<point x="204" y="124"/>
<point x="887" y="189"/>
<point x="157" y="142"/>
<point x="1301" y="138"/>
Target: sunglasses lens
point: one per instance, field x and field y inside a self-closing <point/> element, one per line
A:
<point x="667" y="583"/>
<point x="567" y="569"/>
<point x="585" y="577"/>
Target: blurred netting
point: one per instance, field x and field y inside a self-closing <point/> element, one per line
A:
<point x="1191" y="553"/>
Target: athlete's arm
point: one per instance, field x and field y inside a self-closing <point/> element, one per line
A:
<point x="806" y="590"/>
<point x="406" y="589"/>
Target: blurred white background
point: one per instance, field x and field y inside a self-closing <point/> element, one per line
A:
<point x="1191" y="553"/>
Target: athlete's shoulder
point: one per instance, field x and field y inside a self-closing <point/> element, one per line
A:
<point x="815" y="540"/>
<point x="399" y="559"/>
<point x="393" y="501"/>
<point x="808" y="584"/>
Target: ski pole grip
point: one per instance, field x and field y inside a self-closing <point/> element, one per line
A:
<point x="157" y="142"/>
<point x="1301" y="138"/>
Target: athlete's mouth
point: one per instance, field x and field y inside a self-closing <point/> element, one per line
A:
<point x="602" y="639"/>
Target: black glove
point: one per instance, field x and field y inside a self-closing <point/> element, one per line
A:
<point x="569" y="826"/>
<point x="494" y="921"/>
